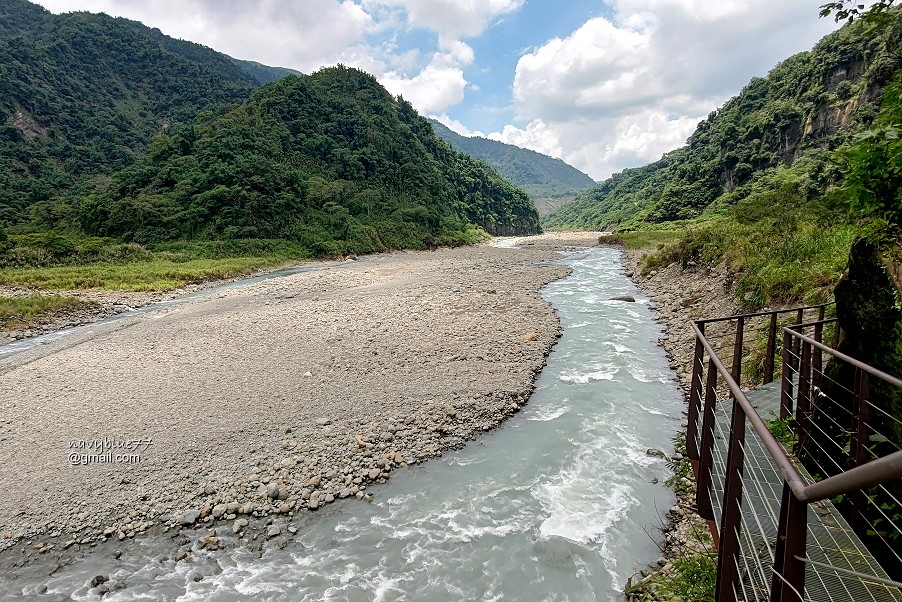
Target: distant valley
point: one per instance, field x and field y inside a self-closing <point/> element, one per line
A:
<point x="549" y="182"/>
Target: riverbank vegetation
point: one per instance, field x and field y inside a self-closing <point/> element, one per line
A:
<point x="51" y="261"/>
<point x="24" y="312"/>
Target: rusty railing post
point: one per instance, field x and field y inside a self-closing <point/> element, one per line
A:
<point x="861" y="432"/>
<point x="817" y="360"/>
<point x="703" y="488"/>
<point x="803" y="399"/>
<point x="695" y="399"/>
<point x="786" y="384"/>
<point x="736" y="369"/>
<point x="731" y="513"/>
<point x="769" y="357"/>
<point x="792" y="531"/>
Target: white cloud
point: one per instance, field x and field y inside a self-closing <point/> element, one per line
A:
<point x="439" y="85"/>
<point x="536" y="135"/>
<point x="453" y="18"/>
<point x="456" y="126"/>
<point x="621" y="91"/>
<point x="433" y="90"/>
<point x="456" y="52"/>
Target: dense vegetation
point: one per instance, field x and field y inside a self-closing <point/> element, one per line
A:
<point x="758" y="183"/>
<point x="119" y="144"/>
<point x="541" y="176"/>
<point x="330" y="160"/>
<point x="81" y="95"/>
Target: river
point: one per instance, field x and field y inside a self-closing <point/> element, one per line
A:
<point x="560" y="503"/>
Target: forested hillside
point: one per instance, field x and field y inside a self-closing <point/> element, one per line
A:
<point x="264" y="73"/>
<point x="778" y="128"/>
<point x="81" y="95"/>
<point x="331" y="160"/>
<point x="110" y="128"/>
<point x="544" y="178"/>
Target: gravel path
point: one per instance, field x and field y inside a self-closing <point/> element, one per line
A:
<point x="274" y="398"/>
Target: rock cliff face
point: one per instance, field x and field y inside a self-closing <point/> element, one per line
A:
<point x="869" y="310"/>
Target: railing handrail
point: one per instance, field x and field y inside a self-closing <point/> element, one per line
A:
<point x="877" y="471"/>
<point x="763" y="313"/>
<point x="803" y="355"/>
<point x="791" y="474"/>
<point x="851" y="360"/>
<point x="812" y="324"/>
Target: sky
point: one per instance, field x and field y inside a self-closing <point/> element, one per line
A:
<point x="602" y="84"/>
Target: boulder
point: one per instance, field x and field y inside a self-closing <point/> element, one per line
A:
<point x="188" y="517"/>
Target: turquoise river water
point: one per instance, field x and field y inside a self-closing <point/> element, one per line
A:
<point x="560" y="503"/>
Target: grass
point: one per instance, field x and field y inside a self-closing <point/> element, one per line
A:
<point x="642" y="239"/>
<point x="782" y="429"/>
<point x="694" y="578"/>
<point x="157" y="274"/>
<point x="682" y="469"/>
<point x="798" y="263"/>
<point x="19" y="312"/>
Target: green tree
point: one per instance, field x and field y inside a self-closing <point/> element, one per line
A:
<point x="849" y="10"/>
<point x="873" y="164"/>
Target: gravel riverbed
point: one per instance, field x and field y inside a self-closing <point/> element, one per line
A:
<point x="272" y="399"/>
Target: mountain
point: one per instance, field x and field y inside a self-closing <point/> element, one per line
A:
<point x="263" y="73"/>
<point x="807" y="106"/>
<point x="198" y="53"/>
<point x="330" y="160"/>
<point x="548" y="181"/>
<point x="110" y="127"/>
<point x="81" y="95"/>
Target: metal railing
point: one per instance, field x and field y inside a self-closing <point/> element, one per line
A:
<point x="770" y="517"/>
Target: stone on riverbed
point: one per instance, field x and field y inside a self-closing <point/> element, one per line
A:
<point x="188" y="517"/>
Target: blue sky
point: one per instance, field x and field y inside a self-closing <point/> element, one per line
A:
<point x="601" y="84"/>
<point x="513" y="35"/>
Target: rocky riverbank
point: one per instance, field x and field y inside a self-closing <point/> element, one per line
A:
<point x="266" y="402"/>
<point x="679" y="296"/>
